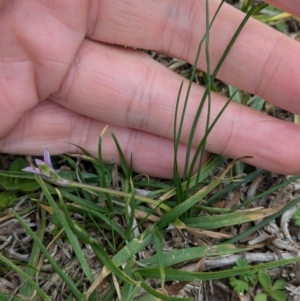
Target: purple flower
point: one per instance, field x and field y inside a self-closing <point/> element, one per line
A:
<point x="43" y="168"/>
<point x="46" y="170"/>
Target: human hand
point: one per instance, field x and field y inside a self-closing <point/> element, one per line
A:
<point x="62" y="79"/>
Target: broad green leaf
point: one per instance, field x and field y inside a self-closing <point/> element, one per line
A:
<point x="261" y="297"/>
<point x="9" y="183"/>
<point x="264" y="280"/>
<point x="279" y="284"/>
<point x="7" y="198"/>
<point x="278" y="295"/>
<point x="18" y="164"/>
<point x="28" y="185"/>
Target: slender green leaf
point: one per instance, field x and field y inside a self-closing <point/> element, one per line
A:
<point x="209" y="222"/>
<point x="265" y="221"/>
<point x="213" y="163"/>
<point x="55" y="266"/>
<point x="127" y="169"/>
<point x="24" y="275"/>
<point x="193" y="253"/>
<point x="177" y="275"/>
<point x="158" y="240"/>
<point x="65" y="222"/>
<point x="27" y="289"/>
<point x="174" y="213"/>
<point x="9" y="297"/>
<point x="110" y="264"/>
<point x="156" y="293"/>
<point x="102" y="173"/>
<point x="230" y="187"/>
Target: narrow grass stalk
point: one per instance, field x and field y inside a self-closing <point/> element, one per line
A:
<point x="110" y="206"/>
<point x="53" y="263"/>
<point x="65" y="222"/>
<point x="110" y="264"/>
<point x="172" y="215"/>
<point x="26" y="277"/>
<point x="128" y="291"/>
<point x="27" y="289"/>
<point x="268" y="192"/>
<point x="129" y="214"/>
<point x="9" y="297"/>
<point x="234" y="185"/>
<point x="211" y="165"/>
<point x="201" y="145"/>
<point x="103" y="175"/>
<point x="191" y="137"/>
<point x="156" y="293"/>
<point x="158" y="240"/>
<point x="208" y="85"/>
<point x="176" y="138"/>
<point x="181" y="194"/>
<point x="127" y="169"/>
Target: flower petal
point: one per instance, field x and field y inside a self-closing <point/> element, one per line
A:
<point x="38" y="162"/>
<point x="32" y="170"/>
<point x="47" y="158"/>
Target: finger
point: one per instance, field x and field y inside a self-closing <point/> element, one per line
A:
<point x="144" y="99"/>
<point x="290" y="6"/>
<point x="262" y="61"/>
<point x="38" y="42"/>
<point x="52" y="126"/>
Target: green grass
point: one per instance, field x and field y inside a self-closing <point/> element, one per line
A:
<point x="98" y="241"/>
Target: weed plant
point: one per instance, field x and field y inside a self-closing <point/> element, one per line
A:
<point x="113" y="226"/>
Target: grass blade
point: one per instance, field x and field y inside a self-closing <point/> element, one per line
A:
<point x="158" y="240"/>
<point x="194" y="253"/>
<point x="55" y="266"/>
<point x="65" y="222"/>
<point x="177" y="275"/>
<point x="27" y="289"/>
<point x="24" y="275"/>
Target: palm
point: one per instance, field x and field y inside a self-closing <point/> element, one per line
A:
<point x="58" y="85"/>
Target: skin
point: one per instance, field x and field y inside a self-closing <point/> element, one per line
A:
<point x="63" y="78"/>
